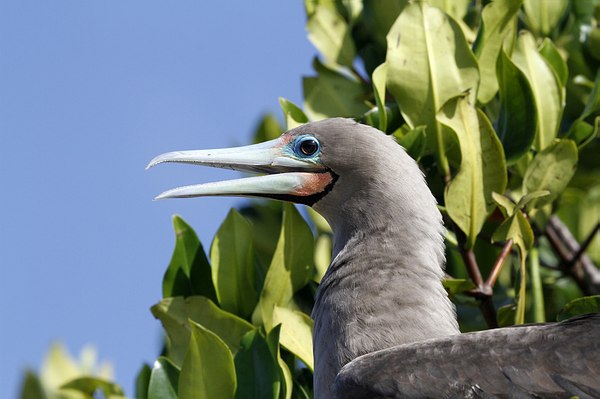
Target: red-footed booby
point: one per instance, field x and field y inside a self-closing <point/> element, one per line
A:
<point x="384" y="325"/>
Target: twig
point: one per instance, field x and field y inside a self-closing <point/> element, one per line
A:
<point x="583" y="271"/>
<point x="491" y="280"/>
<point x="583" y="246"/>
<point x="480" y="292"/>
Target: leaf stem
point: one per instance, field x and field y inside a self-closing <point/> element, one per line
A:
<point x="539" y="313"/>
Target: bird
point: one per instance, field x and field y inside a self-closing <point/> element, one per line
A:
<point x="384" y="326"/>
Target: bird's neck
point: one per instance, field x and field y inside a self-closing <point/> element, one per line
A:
<point x="383" y="287"/>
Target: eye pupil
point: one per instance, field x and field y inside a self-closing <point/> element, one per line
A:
<point x="309" y="146"/>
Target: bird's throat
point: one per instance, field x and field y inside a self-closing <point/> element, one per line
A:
<point x="382" y="289"/>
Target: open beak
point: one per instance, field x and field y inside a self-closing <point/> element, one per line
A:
<point x="288" y="177"/>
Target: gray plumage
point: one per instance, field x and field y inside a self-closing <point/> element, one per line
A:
<point x="384" y="326"/>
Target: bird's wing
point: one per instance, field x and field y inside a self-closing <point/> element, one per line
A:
<point x="549" y="360"/>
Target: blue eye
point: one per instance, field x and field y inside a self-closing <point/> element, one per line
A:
<point x="307" y="146"/>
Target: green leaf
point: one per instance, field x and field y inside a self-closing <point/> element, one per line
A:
<point x="189" y="272"/>
<point x="164" y="380"/>
<point x="506" y="315"/>
<point x="232" y="257"/>
<point x="290" y="269"/>
<point x="551" y="170"/>
<point x="507" y="207"/>
<point x="323" y="249"/>
<point x="517" y="228"/>
<point x="330" y="34"/>
<point x="457" y="285"/>
<point x="543" y="15"/>
<point x="265" y="218"/>
<point x="267" y="129"/>
<point x="174" y="314"/>
<point x="545" y="88"/>
<point x="428" y="63"/>
<point x="497" y="26"/>
<point x="482" y="171"/>
<point x="142" y="382"/>
<point x="582" y="133"/>
<point x="89" y="385"/>
<point x="527" y="198"/>
<point x="517" y="121"/>
<point x="331" y="94"/>
<point x="257" y="371"/>
<point x="579" y="306"/>
<point x="555" y="60"/>
<point x="284" y="371"/>
<point x="378" y="18"/>
<point x="294" y="116"/>
<point x="31" y="387"/>
<point x="208" y="370"/>
<point x="379" y="83"/>
<point x="414" y="141"/>
<point x="296" y="333"/>
<point x="455" y="8"/>
<point x="592" y="105"/>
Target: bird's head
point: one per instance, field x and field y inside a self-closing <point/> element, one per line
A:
<point x="324" y="164"/>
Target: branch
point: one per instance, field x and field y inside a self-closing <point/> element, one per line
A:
<point x="573" y="261"/>
<point x="491" y="280"/>
<point x="481" y="291"/>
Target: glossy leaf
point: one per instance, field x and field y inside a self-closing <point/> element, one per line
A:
<point x="284" y="371"/>
<point x="89" y="385"/>
<point x="174" y="314"/>
<point x="428" y="63"/>
<point x="517" y="121"/>
<point x="164" y="380"/>
<point x="544" y="15"/>
<point x="482" y="170"/>
<point x="527" y="198"/>
<point x="296" y="333"/>
<point x="330" y="34"/>
<point x="257" y="371"/>
<point x="294" y="116"/>
<point x="582" y="133"/>
<point x="378" y="18"/>
<point x="323" y="248"/>
<point x="31" y="387"/>
<point x="331" y="94"/>
<point x="414" y="141"/>
<point x="290" y="269"/>
<point x="551" y="170"/>
<point x="267" y="129"/>
<point x="505" y="204"/>
<point x="208" y="370"/>
<point x="552" y="56"/>
<point x="142" y="382"/>
<point x="379" y="83"/>
<point x="506" y="315"/>
<point x="545" y="88"/>
<point x="189" y="272"/>
<point x="455" y="8"/>
<point x="579" y="306"/>
<point x="517" y="228"/>
<point x="232" y="257"/>
<point x="499" y="19"/>
<point x="592" y="105"/>
<point x="458" y="285"/>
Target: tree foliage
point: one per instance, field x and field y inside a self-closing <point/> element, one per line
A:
<point x="498" y="101"/>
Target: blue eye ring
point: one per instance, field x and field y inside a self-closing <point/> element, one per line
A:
<point x="307" y="146"/>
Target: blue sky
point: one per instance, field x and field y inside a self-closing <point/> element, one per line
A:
<point x="90" y="91"/>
